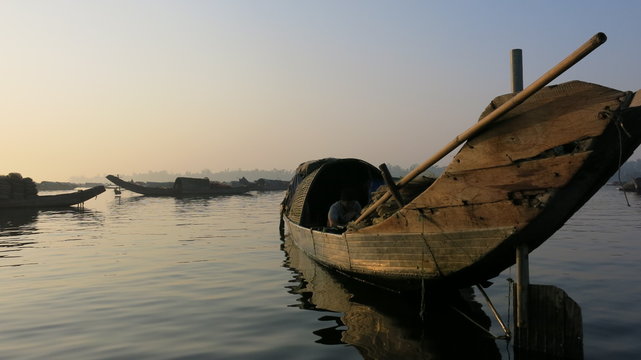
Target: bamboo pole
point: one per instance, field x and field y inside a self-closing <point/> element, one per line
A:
<point x="578" y="54"/>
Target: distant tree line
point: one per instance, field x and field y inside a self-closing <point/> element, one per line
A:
<point x="225" y="176"/>
<point x="628" y="171"/>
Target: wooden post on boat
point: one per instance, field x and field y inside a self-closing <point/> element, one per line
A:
<point x="548" y="321"/>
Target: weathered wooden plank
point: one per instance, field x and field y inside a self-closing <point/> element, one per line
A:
<point x="393" y="254"/>
<point x="331" y="248"/>
<point x="559" y="115"/>
<point x="427" y="220"/>
<point x="416" y="253"/>
<point x="497" y="184"/>
<point x="303" y="238"/>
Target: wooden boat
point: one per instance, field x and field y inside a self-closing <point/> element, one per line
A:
<point x="53" y="201"/>
<point x="263" y="184"/>
<point x="633" y="185"/>
<point x="183" y="186"/>
<point x="513" y="183"/>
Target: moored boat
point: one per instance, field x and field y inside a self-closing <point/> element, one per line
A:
<point x="53" y="201"/>
<point x="633" y="185"/>
<point x="183" y="186"/>
<point x="263" y="184"/>
<point x="513" y="183"/>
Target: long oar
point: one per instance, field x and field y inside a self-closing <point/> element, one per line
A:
<point x="553" y="73"/>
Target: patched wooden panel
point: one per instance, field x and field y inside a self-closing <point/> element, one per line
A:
<point x="498" y="184"/>
<point x="555" y="116"/>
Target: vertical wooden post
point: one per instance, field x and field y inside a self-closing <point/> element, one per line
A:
<point x="522" y="266"/>
<point x="548" y="321"/>
<point x="517" y="70"/>
<point x="522" y="286"/>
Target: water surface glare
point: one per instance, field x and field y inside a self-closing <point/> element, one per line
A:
<point x="136" y="277"/>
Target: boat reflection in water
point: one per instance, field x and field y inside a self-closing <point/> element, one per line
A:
<point x="14" y="219"/>
<point x="19" y="228"/>
<point x="14" y="225"/>
<point x="385" y="325"/>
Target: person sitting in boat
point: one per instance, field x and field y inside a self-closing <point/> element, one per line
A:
<point x="344" y="210"/>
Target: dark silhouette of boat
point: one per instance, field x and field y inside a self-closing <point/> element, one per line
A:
<point x="633" y="185"/>
<point x="264" y="184"/>
<point x="53" y="201"/>
<point x="182" y="187"/>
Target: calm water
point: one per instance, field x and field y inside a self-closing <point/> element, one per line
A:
<point x="163" y="278"/>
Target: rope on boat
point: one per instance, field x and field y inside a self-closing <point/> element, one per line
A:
<point x="625" y="195"/>
<point x="619" y="126"/>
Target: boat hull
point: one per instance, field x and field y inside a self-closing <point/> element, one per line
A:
<point x="52" y="201"/>
<point x="178" y="191"/>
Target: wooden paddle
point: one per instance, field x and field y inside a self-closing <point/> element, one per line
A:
<point x="578" y="54"/>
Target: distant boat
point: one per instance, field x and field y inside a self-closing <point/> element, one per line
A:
<point x="514" y="182"/>
<point x="182" y="187"/>
<point x="633" y="185"/>
<point x="53" y="201"/>
<point x="264" y="184"/>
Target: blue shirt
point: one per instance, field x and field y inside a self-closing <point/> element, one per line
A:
<point x="342" y="212"/>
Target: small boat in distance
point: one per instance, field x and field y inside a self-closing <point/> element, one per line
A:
<point x="263" y="184"/>
<point x="513" y="183"/>
<point x="633" y="185"/>
<point x="53" y="201"/>
<point x="182" y="187"/>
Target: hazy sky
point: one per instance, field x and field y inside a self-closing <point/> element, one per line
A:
<point x="95" y="87"/>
